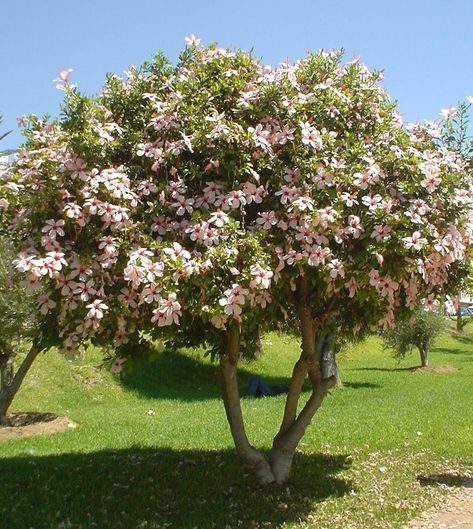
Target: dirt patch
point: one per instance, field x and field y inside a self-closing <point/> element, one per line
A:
<point x="455" y="511"/>
<point x="20" y="425"/>
<point x="434" y="369"/>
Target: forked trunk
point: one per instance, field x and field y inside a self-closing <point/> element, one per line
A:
<point x="293" y="426"/>
<point x="8" y="391"/>
<point x="252" y="459"/>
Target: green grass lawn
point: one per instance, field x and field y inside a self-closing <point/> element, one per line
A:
<point x="370" y="459"/>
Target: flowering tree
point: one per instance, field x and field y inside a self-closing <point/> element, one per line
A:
<point x="205" y="202"/>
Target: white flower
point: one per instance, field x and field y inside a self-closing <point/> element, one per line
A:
<point x="192" y="40"/>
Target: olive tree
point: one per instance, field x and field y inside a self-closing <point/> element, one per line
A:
<point x="421" y="331"/>
<point x="204" y="202"/>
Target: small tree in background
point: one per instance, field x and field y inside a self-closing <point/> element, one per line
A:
<point x="419" y="331"/>
<point x="16" y="323"/>
<point x="17" y="310"/>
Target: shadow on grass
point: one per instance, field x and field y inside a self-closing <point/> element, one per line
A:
<point x="451" y="480"/>
<point x="145" y="488"/>
<point x="361" y="385"/>
<point x="174" y="375"/>
<point x="386" y="369"/>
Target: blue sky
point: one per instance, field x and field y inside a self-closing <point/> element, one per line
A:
<point x="424" y="47"/>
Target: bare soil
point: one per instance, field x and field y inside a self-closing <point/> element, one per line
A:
<point x="434" y="369"/>
<point x="26" y="424"/>
<point x="455" y="511"/>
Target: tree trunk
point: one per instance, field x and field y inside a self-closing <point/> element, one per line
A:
<point x="6" y="369"/>
<point x="8" y="392"/>
<point x="459" y="318"/>
<point x="293" y="427"/>
<point x="251" y="458"/>
<point x="327" y="357"/>
<point x="423" y="356"/>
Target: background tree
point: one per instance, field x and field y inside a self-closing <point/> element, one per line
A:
<point x="421" y="331"/>
<point x="202" y="203"/>
<point x="17" y="326"/>
<point x="456" y="136"/>
<point x="16" y="314"/>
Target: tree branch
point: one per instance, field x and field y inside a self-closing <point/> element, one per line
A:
<point x="251" y="458"/>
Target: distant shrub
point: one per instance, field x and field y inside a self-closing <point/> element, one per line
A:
<point x="420" y="331"/>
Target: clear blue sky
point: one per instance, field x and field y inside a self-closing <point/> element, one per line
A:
<point x="425" y="47"/>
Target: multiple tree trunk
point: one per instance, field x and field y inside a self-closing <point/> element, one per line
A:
<point x="317" y="362"/>
<point x="277" y="468"/>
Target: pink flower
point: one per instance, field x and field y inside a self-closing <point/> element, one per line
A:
<point x="219" y="218"/>
<point x="316" y="255"/>
<point x="177" y="251"/>
<point x="311" y="136"/>
<point x="253" y="193"/>
<point x="168" y="311"/>
<point x="353" y="286"/>
<point x="45" y="304"/>
<point x="304" y="203"/>
<point x="134" y="274"/>
<point x="354" y="226"/>
<point x="416" y="241"/>
<point x="381" y="232"/>
<point x="260" y="136"/>
<point x="151" y="293"/>
<point x="261" y="275"/>
<point x="63" y="75"/>
<point x="96" y="309"/>
<point x="448" y="113"/>
<point x="336" y="268"/>
<point x="192" y="40"/>
<point x="117" y="365"/>
<point x="183" y="204"/>
<point x="56" y="260"/>
<point x="85" y="290"/>
<point x="53" y="228"/>
<point x="349" y="199"/>
<point x="267" y="220"/>
<point x="372" y="202"/>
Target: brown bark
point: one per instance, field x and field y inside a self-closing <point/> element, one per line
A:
<point x="6" y="369"/>
<point x="459" y="319"/>
<point x="251" y="458"/>
<point x="8" y="392"/>
<point x="293" y="427"/>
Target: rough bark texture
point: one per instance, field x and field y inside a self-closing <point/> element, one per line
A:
<point x="6" y="370"/>
<point x="251" y="458"/>
<point x="326" y="355"/>
<point x="8" y="392"/>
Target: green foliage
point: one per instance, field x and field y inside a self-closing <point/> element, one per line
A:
<point x="421" y="331"/>
<point x="16" y="307"/>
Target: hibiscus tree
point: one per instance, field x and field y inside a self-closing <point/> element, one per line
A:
<point x="203" y="203"/>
